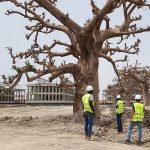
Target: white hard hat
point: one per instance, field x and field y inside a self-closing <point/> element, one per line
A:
<point x="89" y="88"/>
<point x="138" y="97"/>
<point x="118" y="96"/>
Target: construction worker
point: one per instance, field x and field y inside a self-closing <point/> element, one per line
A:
<point x="136" y="118"/>
<point x="119" y="112"/>
<point x="88" y="111"/>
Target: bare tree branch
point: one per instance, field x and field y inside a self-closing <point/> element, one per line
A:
<point x="64" y="19"/>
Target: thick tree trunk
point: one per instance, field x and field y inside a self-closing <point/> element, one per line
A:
<point x="77" y="106"/>
<point x="96" y="98"/>
<point x="146" y="96"/>
<point x="127" y="98"/>
<point x="87" y="76"/>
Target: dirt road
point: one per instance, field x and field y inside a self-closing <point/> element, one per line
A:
<point x="51" y="128"/>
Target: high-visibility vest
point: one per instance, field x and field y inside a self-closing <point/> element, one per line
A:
<point x="120" y="108"/>
<point x="139" y="112"/>
<point x="85" y="100"/>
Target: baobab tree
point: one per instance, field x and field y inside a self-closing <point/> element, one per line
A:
<point x="137" y="76"/>
<point x="87" y="43"/>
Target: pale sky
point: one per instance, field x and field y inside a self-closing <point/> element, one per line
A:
<point x="12" y="34"/>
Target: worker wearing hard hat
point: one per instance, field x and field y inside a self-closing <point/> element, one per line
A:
<point x="136" y="118"/>
<point x="119" y="112"/>
<point x="88" y="110"/>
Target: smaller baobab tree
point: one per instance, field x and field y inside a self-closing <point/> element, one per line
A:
<point x="121" y="87"/>
<point x="125" y="88"/>
<point x="135" y="76"/>
<point x="113" y="90"/>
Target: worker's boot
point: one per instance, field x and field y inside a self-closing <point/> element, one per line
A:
<point x="139" y="143"/>
<point x="127" y="141"/>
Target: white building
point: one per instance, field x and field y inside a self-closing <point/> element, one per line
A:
<point x="47" y="92"/>
<point x="16" y="95"/>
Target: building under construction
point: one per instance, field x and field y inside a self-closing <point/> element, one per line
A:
<point x="43" y="92"/>
<point x="16" y="95"/>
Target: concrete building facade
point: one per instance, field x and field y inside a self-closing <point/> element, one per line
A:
<point x="48" y="93"/>
<point x="15" y="95"/>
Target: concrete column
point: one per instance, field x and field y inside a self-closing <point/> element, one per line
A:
<point x="42" y="89"/>
<point x="28" y="96"/>
<point x="4" y="98"/>
<point x="20" y="99"/>
<point x="38" y="97"/>
<point x="51" y="89"/>
<point x="52" y="97"/>
<point x="43" y="97"/>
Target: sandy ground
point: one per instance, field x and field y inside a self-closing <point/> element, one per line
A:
<point x="51" y="128"/>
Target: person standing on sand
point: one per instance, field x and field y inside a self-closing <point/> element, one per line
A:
<point x="88" y="111"/>
<point x="136" y="118"/>
<point x="119" y="112"/>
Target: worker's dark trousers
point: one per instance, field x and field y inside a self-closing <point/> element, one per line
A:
<point x="88" y="123"/>
<point x="119" y="122"/>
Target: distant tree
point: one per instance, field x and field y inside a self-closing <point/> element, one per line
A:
<point x="126" y="88"/>
<point x="87" y="43"/>
<point x="135" y="76"/>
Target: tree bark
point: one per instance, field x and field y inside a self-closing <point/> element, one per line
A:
<point x="146" y="96"/>
<point x="88" y="76"/>
<point x="127" y="98"/>
<point x="77" y="106"/>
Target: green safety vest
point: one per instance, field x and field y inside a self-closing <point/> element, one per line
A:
<point x="120" y="108"/>
<point x="85" y="100"/>
<point x="139" y="112"/>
